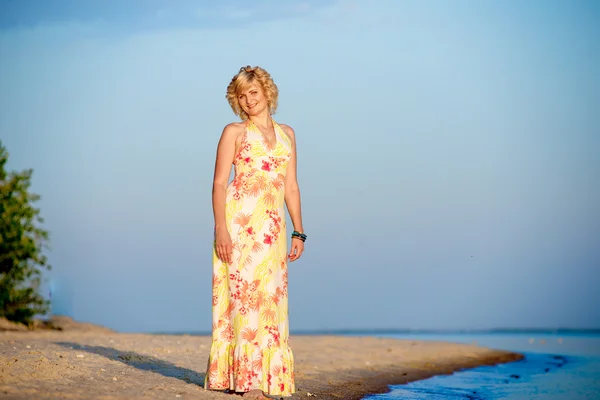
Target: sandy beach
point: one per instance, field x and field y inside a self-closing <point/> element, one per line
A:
<point x="101" y="364"/>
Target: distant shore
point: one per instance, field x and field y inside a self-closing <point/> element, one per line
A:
<point x="86" y="363"/>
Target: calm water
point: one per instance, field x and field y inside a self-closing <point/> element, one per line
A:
<point x="556" y="366"/>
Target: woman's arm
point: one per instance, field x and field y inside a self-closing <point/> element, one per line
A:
<point x="292" y="196"/>
<point x="224" y="160"/>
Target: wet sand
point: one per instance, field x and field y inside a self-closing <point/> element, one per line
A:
<point x="109" y="365"/>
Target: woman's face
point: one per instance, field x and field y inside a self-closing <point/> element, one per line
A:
<point x="253" y="100"/>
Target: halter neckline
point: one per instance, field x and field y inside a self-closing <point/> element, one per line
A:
<point x="275" y="126"/>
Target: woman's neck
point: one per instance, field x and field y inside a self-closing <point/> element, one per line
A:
<point x="263" y="119"/>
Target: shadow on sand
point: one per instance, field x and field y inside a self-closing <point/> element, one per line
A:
<point x="142" y="362"/>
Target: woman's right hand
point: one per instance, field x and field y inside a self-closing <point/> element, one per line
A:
<point x="223" y="245"/>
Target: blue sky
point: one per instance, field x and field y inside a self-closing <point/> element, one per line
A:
<point x="448" y="155"/>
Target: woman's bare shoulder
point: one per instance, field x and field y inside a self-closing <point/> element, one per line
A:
<point x="235" y="127"/>
<point x="288" y="131"/>
<point x="233" y="130"/>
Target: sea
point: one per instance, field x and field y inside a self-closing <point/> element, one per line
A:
<point x="557" y="365"/>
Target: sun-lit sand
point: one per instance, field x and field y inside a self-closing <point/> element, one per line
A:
<point x="100" y="364"/>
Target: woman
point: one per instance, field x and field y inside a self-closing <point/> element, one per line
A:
<point x="250" y="351"/>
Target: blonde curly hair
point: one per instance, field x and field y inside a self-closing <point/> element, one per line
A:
<point x="251" y="75"/>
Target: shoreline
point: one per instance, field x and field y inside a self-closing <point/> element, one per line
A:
<point x="382" y="362"/>
<point x="111" y="365"/>
<point x="371" y="382"/>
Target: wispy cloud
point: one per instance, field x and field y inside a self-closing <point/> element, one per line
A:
<point x="150" y="14"/>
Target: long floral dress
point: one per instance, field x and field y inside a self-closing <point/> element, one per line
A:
<point x="250" y="295"/>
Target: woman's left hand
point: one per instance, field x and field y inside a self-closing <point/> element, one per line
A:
<point x="296" y="250"/>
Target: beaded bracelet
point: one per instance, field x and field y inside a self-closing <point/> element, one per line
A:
<point x="299" y="235"/>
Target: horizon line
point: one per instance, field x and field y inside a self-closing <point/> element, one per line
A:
<point x="342" y="331"/>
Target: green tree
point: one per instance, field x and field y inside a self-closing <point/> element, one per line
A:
<point x="22" y="242"/>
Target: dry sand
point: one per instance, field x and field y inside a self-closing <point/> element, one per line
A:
<point x="96" y="364"/>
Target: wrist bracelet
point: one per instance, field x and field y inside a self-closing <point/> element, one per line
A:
<point x="299" y="235"/>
